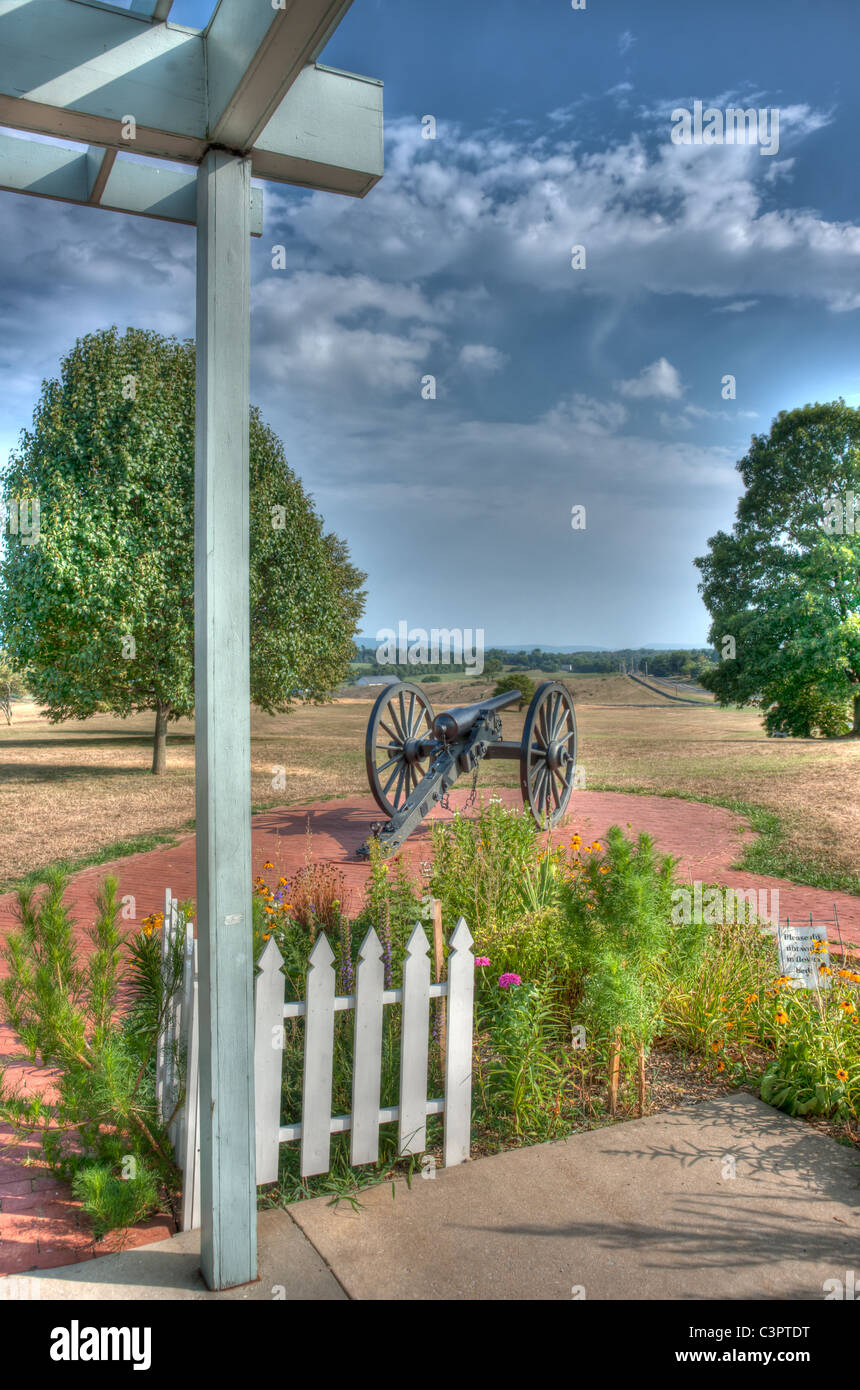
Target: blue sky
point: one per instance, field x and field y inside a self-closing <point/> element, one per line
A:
<point x="555" y="387"/>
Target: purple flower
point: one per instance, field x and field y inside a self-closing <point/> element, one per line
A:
<point x="482" y="960"/>
<point x="506" y="981"/>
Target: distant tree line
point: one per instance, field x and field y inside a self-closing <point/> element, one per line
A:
<point x="685" y="663"/>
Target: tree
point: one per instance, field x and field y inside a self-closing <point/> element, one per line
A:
<point x="12" y="684"/>
<point x="783" y="589"/>
<point x="524" y="684"/>
<point x="101" y="608"/>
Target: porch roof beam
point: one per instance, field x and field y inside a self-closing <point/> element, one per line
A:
<point x="254" y="54"/>
<point x="156" y="10"/>
<point x="98" y="179"/>
<point x="93" y="67"/>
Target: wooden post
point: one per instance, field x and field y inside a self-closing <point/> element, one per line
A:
<point x="222" y="715"/>
<point x="614" y="1063"/>
<point x="640" y="1077"/>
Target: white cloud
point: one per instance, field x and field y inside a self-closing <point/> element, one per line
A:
<point x="483" y="357"/>
<point x="661" y="379"/>
<point x="737" y="306"/>
<point x="655" y="218"/>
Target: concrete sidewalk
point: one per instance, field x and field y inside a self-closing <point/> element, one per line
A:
<point x="648" y="1209"/>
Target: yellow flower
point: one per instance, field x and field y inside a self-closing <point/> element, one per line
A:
<point x="841" y="1075"/>
<point x="268" y="865"/>
<point x="848" y="1005"/>
<point x="604" y="869"/>
<point x="596" y="845"/>
<point x="781" y="1016"/>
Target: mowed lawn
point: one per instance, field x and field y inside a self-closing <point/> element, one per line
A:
<point x="75" y="790"/>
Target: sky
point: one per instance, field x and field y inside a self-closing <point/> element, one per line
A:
<point x="556" y="388"/>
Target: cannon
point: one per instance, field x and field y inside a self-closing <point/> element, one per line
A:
<point x="414" y="757"/>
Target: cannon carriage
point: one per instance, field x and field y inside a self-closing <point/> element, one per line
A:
<point x="414" y="757"/>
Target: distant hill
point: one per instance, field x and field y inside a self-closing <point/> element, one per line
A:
<point x="368" y="641"/>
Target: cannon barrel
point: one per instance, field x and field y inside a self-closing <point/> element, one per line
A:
<point x="454" y="723"/>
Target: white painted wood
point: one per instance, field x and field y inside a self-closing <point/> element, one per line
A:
<point x="161" y="1045"/>
<point x="341" y="1124"/>
<point x="269" y="990"/>
<point x="190" y="1154"/>
<point x="100" y="179"/>
<point x="414" y="1044"/>
<point x="184" y="1027"/>
<point x="228" y="1242"/>
<point x="318" y="1060"/>
<point x="72" y="70"/>
<point x="166" y="194"/>
<point x="327" y="134"/>
<point x="367" y="1051"/>
<point x="310" y="125"/>
<point x="458" y="1060"/>
<point x="156" y="10"/>
<point x="254" y="53"/>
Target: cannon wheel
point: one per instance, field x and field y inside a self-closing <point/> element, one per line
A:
<point x="400" y="718"/>
<point x="548" y="753"/>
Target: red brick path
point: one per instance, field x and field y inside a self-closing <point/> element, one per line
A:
<point x="40" y="1224"/>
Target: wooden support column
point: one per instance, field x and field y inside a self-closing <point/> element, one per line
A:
<point x="222" y="714"/>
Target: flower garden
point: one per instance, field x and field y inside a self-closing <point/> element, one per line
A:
<point x="585" y="983"/>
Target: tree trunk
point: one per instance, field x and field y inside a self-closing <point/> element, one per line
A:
<point x="856" y="729"/>
<point x="159" y="747"/>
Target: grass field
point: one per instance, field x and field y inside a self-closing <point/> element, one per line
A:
<point x="81" y="791"/>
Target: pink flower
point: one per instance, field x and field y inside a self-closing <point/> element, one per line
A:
<point x="482" y="960"/>
<point x="506" y="981"/>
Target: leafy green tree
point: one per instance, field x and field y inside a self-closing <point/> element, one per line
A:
<point x="12" y="685"/>
<point x="101" y="609"/>
<point x="783" y="588"/>
<point x="524" y="684"/>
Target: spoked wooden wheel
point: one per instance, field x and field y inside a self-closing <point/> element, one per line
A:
<point x="400" y="722"/>
<point x="548" y="753"/>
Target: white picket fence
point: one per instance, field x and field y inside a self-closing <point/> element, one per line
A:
<point x="177" y="1057"/>
<point x="368" y="1003"/>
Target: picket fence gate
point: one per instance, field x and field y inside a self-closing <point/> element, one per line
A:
<point x="178" y="1052"/>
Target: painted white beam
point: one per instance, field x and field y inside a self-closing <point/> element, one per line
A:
<point x="222" y="706"/>
<point x="98" y="178"/>
<point x="76" y="70"/>
<point x="156" y="10"/>
<point x="327" y="133"/>
<point x="254" y="54"/>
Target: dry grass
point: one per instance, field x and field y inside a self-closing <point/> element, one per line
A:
<point x="70" y="791"/>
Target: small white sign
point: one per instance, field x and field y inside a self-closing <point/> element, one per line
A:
<point x="797" y="957"/>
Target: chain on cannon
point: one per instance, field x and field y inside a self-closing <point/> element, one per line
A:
<point x="414" y="757"/>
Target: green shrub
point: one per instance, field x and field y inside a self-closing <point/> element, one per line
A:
<point x="66" y="1009"/>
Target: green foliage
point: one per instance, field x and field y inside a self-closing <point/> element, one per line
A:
<point x="523" y="683"/>
<point x="619" y="908"/>
<point x="785" y="583"/>
<point x="65" y="1010"/>
<point x="110" y="457"/>
<point x="112" y="1201"/>
<point x="526" y="1033"/>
